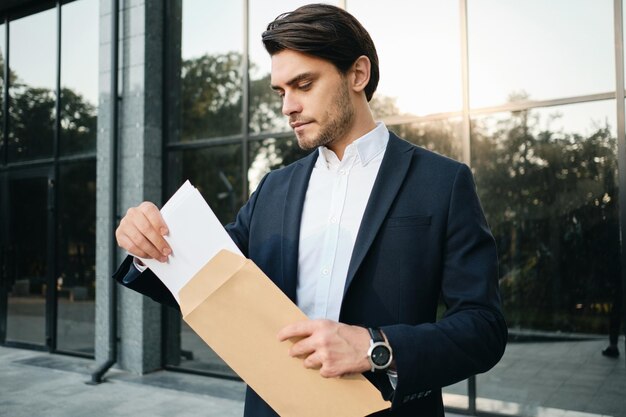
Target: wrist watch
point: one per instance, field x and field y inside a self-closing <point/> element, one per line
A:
<point x="379" y="353"/>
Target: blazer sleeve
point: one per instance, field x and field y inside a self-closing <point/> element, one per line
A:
<point x="472" y="335"/>
<point x="146" y="283"/>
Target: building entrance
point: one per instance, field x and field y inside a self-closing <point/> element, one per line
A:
<point x="27" y="270"/>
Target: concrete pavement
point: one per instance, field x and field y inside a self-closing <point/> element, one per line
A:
<point x="36" y="384"/>
<point x="539" y="379"/>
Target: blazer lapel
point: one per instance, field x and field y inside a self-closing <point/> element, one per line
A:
<point x="390" y="176"/>
<point x="292" y="216"/>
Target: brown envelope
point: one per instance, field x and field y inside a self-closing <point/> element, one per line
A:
<point x="237" y="310"/>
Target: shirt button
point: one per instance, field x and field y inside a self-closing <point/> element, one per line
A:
<point x="325" y="271"/>
<point x="333" y="220"/>
<point x="342" y="172"/>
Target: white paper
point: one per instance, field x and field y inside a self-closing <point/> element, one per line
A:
<point x="195" y="236"/>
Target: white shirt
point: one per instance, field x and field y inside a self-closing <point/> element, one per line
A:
<point x="335" y="201"/>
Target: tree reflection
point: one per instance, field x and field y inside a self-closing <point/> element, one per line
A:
<point x="550" y="198"/>
<point x="78" y="123"/>
<point x="211" y="96"/>
<point x="32" y="120"/>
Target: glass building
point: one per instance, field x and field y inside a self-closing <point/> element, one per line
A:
<point x="100" y="110"/>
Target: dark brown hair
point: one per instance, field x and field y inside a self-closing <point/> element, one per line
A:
<point x="326" y="32"/>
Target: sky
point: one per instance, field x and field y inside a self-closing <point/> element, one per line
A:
<point x="545" y="49"/>
<point x="33" y="48"/>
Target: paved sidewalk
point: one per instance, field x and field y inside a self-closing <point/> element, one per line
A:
<point x="549" y="379"/>
<point x="36" y="384"/>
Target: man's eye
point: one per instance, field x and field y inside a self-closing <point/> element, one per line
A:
<point x="305" y="86"/>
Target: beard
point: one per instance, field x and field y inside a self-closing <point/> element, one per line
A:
<point x="339" y="121"/>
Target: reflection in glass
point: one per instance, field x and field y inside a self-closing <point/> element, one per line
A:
<point x="196" y="355"/>
<point x="536" y="49"/>
<point x="265" y="105"/>
<point x="2" y="87"/>
<point x="441" y="136"/>
<point x="269" y="154"/>
<point x="215" y="172"/>
<point x="211" y="79"/>
<point x="32" y="91"/>
<point x="27" y="264"/>
<point x="455" y="396"/>
<point x="419" y="54"/>
<point x="547" y="181"/>
<point x="76" y="256"/>
<point x="79" y="76"/>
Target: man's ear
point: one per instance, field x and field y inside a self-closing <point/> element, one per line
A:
<point x="360" y="73"/>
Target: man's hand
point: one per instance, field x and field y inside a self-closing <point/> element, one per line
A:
<point x="141" y="232"/>
<point x="335" y="349"/>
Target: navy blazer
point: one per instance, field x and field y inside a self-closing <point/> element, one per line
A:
<point x="423" y="236"/>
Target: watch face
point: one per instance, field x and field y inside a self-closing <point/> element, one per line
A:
<point x="380" y="355"/>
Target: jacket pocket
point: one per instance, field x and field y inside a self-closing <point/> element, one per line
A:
<point x="408" y="221"/>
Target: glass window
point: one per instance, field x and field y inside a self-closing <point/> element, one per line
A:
<point x="419" y="54"/>
<point x="211" y="81"/>
<point x="455" y="396"/>
<point x="79" y="76"/>
<point x="548" y="183"/>
<point x="441" y="136"/>
<point x="32" y="91"/>
<point x="26" y="263"/>
<point x="195" y="354"/>
<point x="539" y="49"/>
<point x="269" y="154"/>
<point x="76" y="256"/>
<point x="215" y="172"/>
<point x="2" y="86"/>
<point x="265" y="105"/>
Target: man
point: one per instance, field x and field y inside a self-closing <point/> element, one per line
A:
<point x="365" y="234"/>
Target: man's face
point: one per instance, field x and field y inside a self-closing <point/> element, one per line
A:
<point x="316" y="98"/>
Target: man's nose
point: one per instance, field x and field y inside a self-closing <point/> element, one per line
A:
<point x="291" y="105"/>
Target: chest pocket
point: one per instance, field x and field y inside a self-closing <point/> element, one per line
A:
<point x="408" y="221"/>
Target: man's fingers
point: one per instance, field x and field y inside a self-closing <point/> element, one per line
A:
<point x="139" y="243"/>
<point x="137" y="251"/>
<point x="141" y="232"/>
<point x="124" y="242"/>
<point x="298" y="329"/>
<point x="148" y="231"/>
<point x="153" y="215"/>
<point x="312" y="362"/>
<point x="333" y="348"/>
<point x="302" y="348"/>
<point x="131" y="239"/>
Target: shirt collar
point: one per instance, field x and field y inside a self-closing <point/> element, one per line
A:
<point x="367" y="147"/>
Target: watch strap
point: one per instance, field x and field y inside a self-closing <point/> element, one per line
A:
<point x="376" y="334"/>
